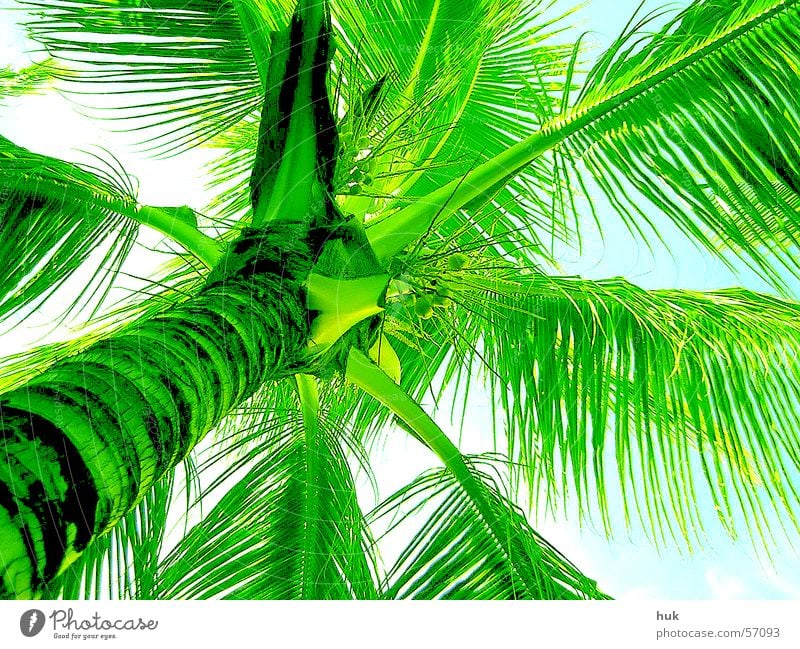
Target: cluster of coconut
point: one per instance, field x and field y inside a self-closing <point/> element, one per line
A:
<point x="363" y="170"/>
<point x="437" y="294"/>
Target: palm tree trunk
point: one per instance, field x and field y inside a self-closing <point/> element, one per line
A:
<point x="82" y="442"/>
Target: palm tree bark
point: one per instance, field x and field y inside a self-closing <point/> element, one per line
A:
<point x="85" y="440"/>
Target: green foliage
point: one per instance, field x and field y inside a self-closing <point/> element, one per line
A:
<point x="454" y="553"/>
<point x="29" y="80"/>
<point x="664" y="386"/>
<point x="42" y="252"/>
<point x="719" y="163"/>
<point x="466" y="138"/>
<point x="477" y="545"/>
<point x="184" y="66"/>
<point x="289" y="529"/>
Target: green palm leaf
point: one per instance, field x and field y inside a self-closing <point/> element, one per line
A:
<point x="291" y="528"/>
<point x="416" y="45"/>
<point x="660" y="386"/>
<point x="27" y="80"/>
<point x="179" y="70"/>
<point x="53" y="216"/>
<point x="720" y="163"/>
<point x="477" y="544"/>
<point x="515" y="85"/>
<point x="507" y="60"/>
<point x="637" y="129"/>
<point x="456" y="554"/>
<point x="664" y="385"/>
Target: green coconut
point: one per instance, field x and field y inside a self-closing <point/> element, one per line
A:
<point x="423" y="307"/>
<point x="457" y="261"/>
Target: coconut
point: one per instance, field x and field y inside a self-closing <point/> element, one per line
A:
<point x="457" y="261"/>
<point x="423" y="307"/>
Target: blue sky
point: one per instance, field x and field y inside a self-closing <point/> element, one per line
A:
<point x="627" y="566"/>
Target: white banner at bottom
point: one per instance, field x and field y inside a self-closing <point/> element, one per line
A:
<point x="352" y="625"/>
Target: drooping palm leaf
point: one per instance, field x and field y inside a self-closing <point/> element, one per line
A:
<point x="591" y="375"/>
<point x="719" y="162"/>
<point x="662" y="385"/>
<point x="53" y="216"/>
<point x="182" y="70"/>
<point x="290" y="528"/>
<point x="455" y="554"/>
<point x="481" y="541"/>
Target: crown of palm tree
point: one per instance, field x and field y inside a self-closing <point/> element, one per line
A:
<point x="395" y="181"/>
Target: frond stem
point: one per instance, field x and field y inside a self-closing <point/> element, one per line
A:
<point x="389" y="236"/>
<point x="205" y="248"/>
<point x="374" y="381"/>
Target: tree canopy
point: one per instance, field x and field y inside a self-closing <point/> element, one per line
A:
<point x="393" y="183"/>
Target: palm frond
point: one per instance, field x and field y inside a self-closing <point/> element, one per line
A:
<point x="517" y="87"/>
<point x="30" y="79"/>
<point x="587" y="377"/>
<point x="656" y="119"/>
<point x="492" y="73"/>
<point x="664" y="386"/>
<point x="455" y="554"/>
<point x="290" y="528"/>
<point x="180" y="70"/>
<point x="481" y="526"/>
<point x="702" y="119"/>
<point x="53" y="216"/>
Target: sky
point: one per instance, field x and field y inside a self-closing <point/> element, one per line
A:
<point x="627" y="566"/>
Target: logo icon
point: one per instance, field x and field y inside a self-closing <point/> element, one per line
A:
<point x="31" y="622"/>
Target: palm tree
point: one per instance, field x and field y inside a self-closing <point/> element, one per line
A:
<point x="395" y="179"/>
